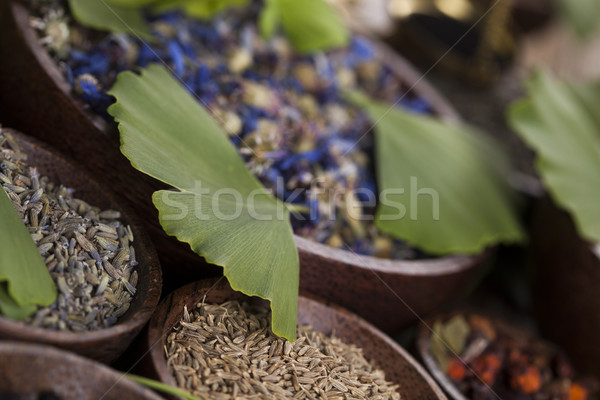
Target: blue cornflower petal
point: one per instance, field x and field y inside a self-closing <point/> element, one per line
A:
<point x="176" y="54"/>
<point x="69" y="73"/>
<point x="361" y="49"/>
<point x="203" y="74"/>
<point x="289" y="162"/>
<point x="315" y="216"/>
<point x="147" y="55"/>
<point x="189" y="51"/>
<point x="416" y="104"/>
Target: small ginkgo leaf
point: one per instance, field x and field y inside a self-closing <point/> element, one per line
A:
<point x="268" y="19"/>
<point x="10" y="308"/>
<point x="582" y="15"/>
<point x="24" y="278"/>
<point x="561" y="123"/>
<point x="162" y="387"/>
<point x="203" y="9"/>
<point x="309" y="25"/>
<point x="220" y="208"/>
<point x="112" y="16"/>
<point x="443" y="188"/>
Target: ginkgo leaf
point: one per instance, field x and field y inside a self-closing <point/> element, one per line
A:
<point x="202" y="9"/>
<point x="24" y="278"/>
<point x="10" y="308"/>
<point x="443" y="188"/>
<point x="561" y="123"/>
<point x="582" y="15"/>
<point x="268" y="19"/>
<point x="219" y="207"/>
<point x="112" y="16"/>
<point x="309" y="25"/>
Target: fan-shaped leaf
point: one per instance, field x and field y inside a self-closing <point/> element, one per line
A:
<point x="443" y="188"/>
<point x="582" y="15"/>
<point x="24" y="279"/>
<point x="111" y="15"/>
<point x="310" y="25"/>
<point x="562" y="124"/>
<point x="220" y="208"/>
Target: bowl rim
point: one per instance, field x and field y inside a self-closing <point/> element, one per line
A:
<point x="139" y="318"/>
<point x="53" y="354"/>
<point x="155" y="334"/>
<point x="409" y="75"/>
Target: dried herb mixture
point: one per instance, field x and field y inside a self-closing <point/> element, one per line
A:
<point x="488" y="362"/>
<point x="286" y="113"/>
<point x="88" y="252"/>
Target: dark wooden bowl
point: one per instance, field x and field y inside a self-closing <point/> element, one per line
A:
<point x="398" y="365"/>
<point x="104" y="345"/>
<point x="391" y="294"/>
<point x="567" y="285"/>
<point x="32" y="369"/>
<point x="423" y="344"/>
<point x="38" y="99"/>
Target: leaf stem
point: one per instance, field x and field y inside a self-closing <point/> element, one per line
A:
<point x="152" y="384"/>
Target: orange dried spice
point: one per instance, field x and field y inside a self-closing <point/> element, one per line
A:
<point x="486" y="367"/>
<point x="529" y="381"/>
<point x="577" y="392"/>
<point x="456" y="369"/>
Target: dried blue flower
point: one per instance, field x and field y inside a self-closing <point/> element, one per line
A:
<point x="177" y="57"/>
<point x="292" y="127"/>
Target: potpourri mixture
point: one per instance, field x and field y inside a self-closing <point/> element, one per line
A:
<point x="285" y="112"/>
<point x="487" y="362"/>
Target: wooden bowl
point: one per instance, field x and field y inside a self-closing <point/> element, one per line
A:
<point x="391" y="294"/>
<point x="38" y="99"/>
<point x="32" y="369"/>
<point x="398" y="365"/>
<point x="567" y="283"/>
<point x="104" y="344"/>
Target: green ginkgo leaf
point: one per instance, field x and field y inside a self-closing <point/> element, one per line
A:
<point x="203" y="9"/>
<point x="561" y="123"/>
<point x="112" y="16"/>
<point x="582" y="15"/>
<point x="309" y="25"/>
<point x="24" y="278"/>
<point x="219" y="207"/>
<point x="269" y="19"/>
<point x="442" y="188"/>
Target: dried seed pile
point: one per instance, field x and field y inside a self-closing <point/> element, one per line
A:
<point x="285" y="112"/>
<point x="227" y="351"/>
<point x="87" y="251"/>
